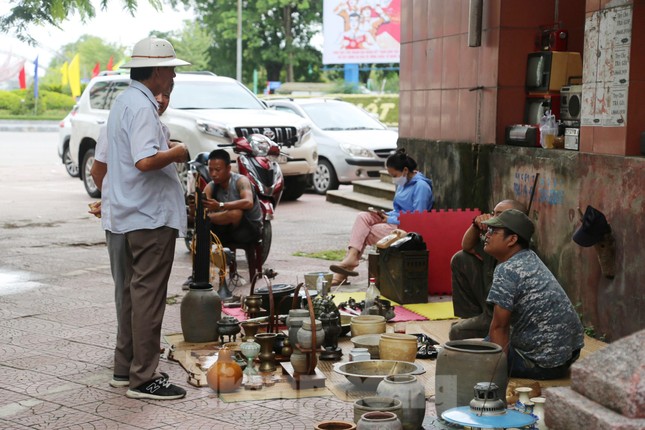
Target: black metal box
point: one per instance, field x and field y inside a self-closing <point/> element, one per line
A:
<point x="403" y="275"/>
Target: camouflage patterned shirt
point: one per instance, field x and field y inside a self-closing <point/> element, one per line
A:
<point x="544" y="325"/>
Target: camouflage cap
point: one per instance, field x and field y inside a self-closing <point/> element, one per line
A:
<point x="514" y="220"/>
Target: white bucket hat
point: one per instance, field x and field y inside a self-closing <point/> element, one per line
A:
<point x="153" y="52"/>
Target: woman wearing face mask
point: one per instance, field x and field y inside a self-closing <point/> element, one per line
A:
<point x="413" y="193"/>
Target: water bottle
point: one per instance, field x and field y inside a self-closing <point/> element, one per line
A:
<point x="371" y="295"/>
<point x="320" y="284"/>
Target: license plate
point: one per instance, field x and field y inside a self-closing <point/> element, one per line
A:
<point x="282" y="159"/>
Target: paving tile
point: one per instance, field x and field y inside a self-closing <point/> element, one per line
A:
<point x="35" y="325"/>
<point x="10" y="352"/>
<point x="31" y="341"/>
<point x="317" y="408"/>
<point x="52" y="416"/>
<point x="103" y="339"/>
<point x="83" y="352"/>
<point x="205" y="406"/>
<point x="51" y="365"/>
<point x="101" y="424"/>
<point x="79" y="396"/>
<point x="139" y="413"/>
<point x="32" y="383"/>
<point x="84" y="316"/>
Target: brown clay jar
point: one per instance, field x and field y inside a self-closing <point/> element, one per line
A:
<point x="225" y="375"/>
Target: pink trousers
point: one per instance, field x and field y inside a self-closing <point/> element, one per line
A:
<point x="367" y="230"/>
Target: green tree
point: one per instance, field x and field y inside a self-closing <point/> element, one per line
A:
<point x="91" y="50"/>
<point x="276" y="37"/>
<point x="52" y="12"/>
<point x="191" y="44"/>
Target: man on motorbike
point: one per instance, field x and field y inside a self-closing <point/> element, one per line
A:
<point x="233" y="207"/>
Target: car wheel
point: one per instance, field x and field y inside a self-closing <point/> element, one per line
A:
<point x="325" y="177"/>
<point x="70" y="166"/>
<point x="182" y="172"/>
<point x="267" y="234"/>
<point x="294" y="187"/>
<point x="90" y="186"/>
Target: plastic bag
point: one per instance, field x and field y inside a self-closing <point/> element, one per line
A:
<point x="548" y="130"/>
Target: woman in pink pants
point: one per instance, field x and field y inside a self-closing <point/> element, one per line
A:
<point x="413" y="193"/>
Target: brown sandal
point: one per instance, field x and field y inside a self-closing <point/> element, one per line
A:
<point x="342" y="270"/>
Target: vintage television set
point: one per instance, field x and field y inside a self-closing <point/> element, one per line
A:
<point x="537" y="104"/>
<point x="548" y="71"/>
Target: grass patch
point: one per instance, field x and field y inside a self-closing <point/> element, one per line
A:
<point x="330" y="255"/>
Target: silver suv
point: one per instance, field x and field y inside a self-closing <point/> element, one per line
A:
<point x="205" y="112"/>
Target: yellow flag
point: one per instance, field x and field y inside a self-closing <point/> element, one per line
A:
<point x="118" y="64"/>
<point x="74" y="75"/>
<point x="63" y="72"/>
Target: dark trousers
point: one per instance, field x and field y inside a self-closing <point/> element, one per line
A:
<point x="469" y="294"/>
<point x="149" y="258"/>
<point x="521" y="367"/>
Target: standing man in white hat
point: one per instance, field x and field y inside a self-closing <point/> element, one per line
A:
<point x="147" y="206"/>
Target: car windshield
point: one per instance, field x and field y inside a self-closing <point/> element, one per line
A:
<point x="340" y="116"/>
<point x="212" y="95"/>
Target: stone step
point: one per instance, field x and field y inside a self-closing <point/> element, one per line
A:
<point x="566" y="409"/>
<point x="358" y="201"/>
<point x="619" y="385"/>
<point x="375" y="188"/>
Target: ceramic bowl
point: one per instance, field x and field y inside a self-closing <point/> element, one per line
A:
<point x="398" y="346"/>
<point x="367" y="324"/>
<point x="366" y="375"/>
<point x="369" y="341"/>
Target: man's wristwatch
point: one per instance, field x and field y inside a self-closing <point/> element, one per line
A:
<point x="221" y="206"/>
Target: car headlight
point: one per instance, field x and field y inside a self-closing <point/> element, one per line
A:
<point x="213" y="129"/>
<point x="302" y="133"/>
<point x="357" y="150"/>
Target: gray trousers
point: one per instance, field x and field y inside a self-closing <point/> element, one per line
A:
<point x="149" y="258"/>
<point x="116" y="251"/>
<point x="469" y="294"/>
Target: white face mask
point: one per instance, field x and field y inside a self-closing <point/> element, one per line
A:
<point x="400" y="181"/>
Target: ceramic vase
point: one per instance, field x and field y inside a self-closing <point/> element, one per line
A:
<point x="305" y="336"/>
<point x="335" y="425"/>
<point x="225" y="375"/>
<point x="373" y="404"/>
<point x="538" y="411"/>
<point x="522" y="398"/>
<point x="250" y="349"/>
<point x="379" y="421"/>
<point x="201" y="309"/>
<point x="461" y="364"/>
<point x="412" y="395"/>
<point x="300" y="363"/>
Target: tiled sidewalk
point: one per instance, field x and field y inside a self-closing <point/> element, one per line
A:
<point x="56" y="346"/>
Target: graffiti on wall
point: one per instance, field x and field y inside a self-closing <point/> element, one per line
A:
<point x="548" y="189"/>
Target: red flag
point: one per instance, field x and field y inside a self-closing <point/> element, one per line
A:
<point x="96" y="70"/>
<point x="22" y="79"/>
<point x="110" y="63"/>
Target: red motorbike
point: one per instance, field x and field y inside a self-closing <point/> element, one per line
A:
<point x="257" y="160"/>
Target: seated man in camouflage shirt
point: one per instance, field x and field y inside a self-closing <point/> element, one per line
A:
<point x="533" y="319"/>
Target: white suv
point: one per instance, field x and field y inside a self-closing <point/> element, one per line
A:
<point x="205" y="112"/>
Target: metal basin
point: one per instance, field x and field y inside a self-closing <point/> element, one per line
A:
<point x="366" y="375"/>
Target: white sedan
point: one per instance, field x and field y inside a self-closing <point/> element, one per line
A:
<point x="352" y="144"/>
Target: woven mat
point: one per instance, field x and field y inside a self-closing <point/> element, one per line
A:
<point x="187" y="355"/>
<point x="235" y="312"/>
<point x="434" y="310"/>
